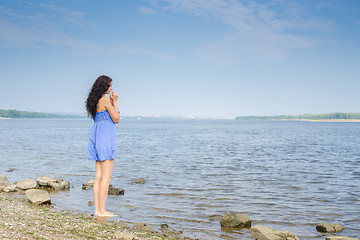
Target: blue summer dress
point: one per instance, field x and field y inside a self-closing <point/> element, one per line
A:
<point x="102" y="141"/>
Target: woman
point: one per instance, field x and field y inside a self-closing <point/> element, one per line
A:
<point x="102" y="142"/>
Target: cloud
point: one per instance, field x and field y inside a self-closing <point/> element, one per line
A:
<point x="146" y="10"/>
<point x="255" y="31"/>
<point x="44" y="29"/>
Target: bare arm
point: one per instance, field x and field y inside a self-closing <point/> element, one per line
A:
<point x="112" y="107"/>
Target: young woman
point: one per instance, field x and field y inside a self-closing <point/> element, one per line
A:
<point x="102" y="142"/>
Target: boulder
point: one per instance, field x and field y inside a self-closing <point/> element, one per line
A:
<point x="10" y="188"/>
<point x="138" y="181"/>
<point x="3" y="178"/>
<point x="88" y="185"/>
<point x="115" y="191"/>
<point x="4" y="184"/>
<point x="235" y="220"/>
<point x="340" y="238"/>
<point x="124" y="235"/>
<point x="26" y="184"/>
<point x="329" y="227"/>
<point x="260" y="232"/>
<point x="37" y="196"/>
<point x="52" y="183"/>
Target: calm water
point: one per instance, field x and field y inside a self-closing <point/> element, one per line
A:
<point x="285" y="175"/>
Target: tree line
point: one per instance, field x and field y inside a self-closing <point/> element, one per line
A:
<point x="25" y="114"/>
<point x="337" y="115"/>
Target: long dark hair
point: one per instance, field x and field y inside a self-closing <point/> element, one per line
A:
<point x="100" y="86"/>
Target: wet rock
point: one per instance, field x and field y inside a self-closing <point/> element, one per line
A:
<point x="138" y="181"/>
<point x="26" y="184"/>
<point x="143" y="227"/>
<point x="235" y="220"/>
<point x="10" y="188"/>
<point x="90" y="203"/>
<point x="259" y="232"/>
<point x="37" y="196"/>
<point x="115" y="191"/>
<point x="329" y="227"/>
<point x="52" y="183"/>
<point x="11" y="169"/>
<point x="340" y="238"/>
<point x="88" y="185"/>
<point x="124" y="235"/>
<point x="164" y="225"/>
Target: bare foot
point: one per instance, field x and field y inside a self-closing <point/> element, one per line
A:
<point x="106" y="214"/>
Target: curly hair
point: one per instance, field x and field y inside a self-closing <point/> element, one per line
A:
<point x="100" y="86"/>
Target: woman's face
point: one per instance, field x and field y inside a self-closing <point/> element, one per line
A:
<point x="110" y="89"/>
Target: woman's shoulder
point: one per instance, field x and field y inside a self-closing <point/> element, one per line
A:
<point x="104" y="99"/>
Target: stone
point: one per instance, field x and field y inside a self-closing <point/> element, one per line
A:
<point x="329" y="227"/>
<point x="53" y="183"/>
<point x="115" y="191"/>
<point x="138" y="181"/>
<point x="124" y="235"/>
<point x="26" y="184"/>
<point x="88" y="185"/>
<point x="4" y="184"/>
<point x="37" y="196"/>
<point x="340" y="238"/>
<point x="10" y="188"/>
<point x="90" y="203"/>
<point x="11" y="169"/>
<point x="260" y="232"/>
<point x="3" y="178"/>
<point x="235" y="220"/>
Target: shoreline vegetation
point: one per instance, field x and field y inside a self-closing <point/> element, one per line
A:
<point x="8" y="114"/>
<point x="324" y="117"/>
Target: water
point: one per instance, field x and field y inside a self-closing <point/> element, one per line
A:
<point x="284" y="175"/>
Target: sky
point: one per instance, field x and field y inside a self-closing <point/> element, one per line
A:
<point x="199" y="58"/>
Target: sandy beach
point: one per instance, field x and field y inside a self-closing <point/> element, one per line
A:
<point x="21" y="220"/>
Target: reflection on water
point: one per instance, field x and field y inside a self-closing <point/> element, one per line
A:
<point x="285" y="175"/>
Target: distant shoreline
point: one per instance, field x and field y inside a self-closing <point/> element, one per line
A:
<point x="4" y="118"/>
<point x="320" y="120"/>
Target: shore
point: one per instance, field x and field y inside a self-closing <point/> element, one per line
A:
<point x="21" y="220"/>
<point x="322" y="120"/>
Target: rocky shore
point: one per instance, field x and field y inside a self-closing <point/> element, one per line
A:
<point x="19" y="219"/>
<point x="27" y="213"/>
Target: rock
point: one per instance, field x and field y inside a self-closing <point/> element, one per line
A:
<point x="138" y="181"/>
<point x="10" y="188"/>
<point x="11" y="169"/>
<point x="37" y="196"/>
<point x="53" y="183"/>
<point x="340" y="238"/>
<point x="88" y="185"/>
<point x="4" y="184"/>
<point x="329" y="227"/>
<point x="124" y="235"/>
<point x="164" y="225"/>
<point x="26" y="184"/>
<point x="259" y="232"/>
<point x="3" y="178"/>
<point x="235" y="220"/>
<point x="90" y="203"/>
<point x="115" y="191"/>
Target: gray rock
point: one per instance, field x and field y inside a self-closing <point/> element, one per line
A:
<point x="235" y="220"/>
<point x="52" y="183"/>
<point x="260" y="232"/>
<point x="10" y="188"/>
<point x="115" y="191"/>
<point x="138" y="181"/>
<point x="88" y="185"/>
<point x="329" y="227"/>
<point x="124" y="235"/>
<point x="340" y="238"/>
<point x="11" y="169"/>
<point x="37" y="196"/>
<point x="3" y="178"/>
<point x="4" y="184"/>
<point x="26" y="184"/>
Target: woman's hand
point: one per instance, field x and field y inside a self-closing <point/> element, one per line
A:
<point x="113" y="97"/>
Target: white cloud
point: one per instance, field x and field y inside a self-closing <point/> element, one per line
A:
<point x="255" y="30"/>
<point x="146" y="10"/>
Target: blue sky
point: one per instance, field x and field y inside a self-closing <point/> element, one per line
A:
<point x="205" y="58"/>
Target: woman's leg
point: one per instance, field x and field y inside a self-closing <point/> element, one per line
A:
<point x="106" y="172"/>
<point x="96" y="187"/>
